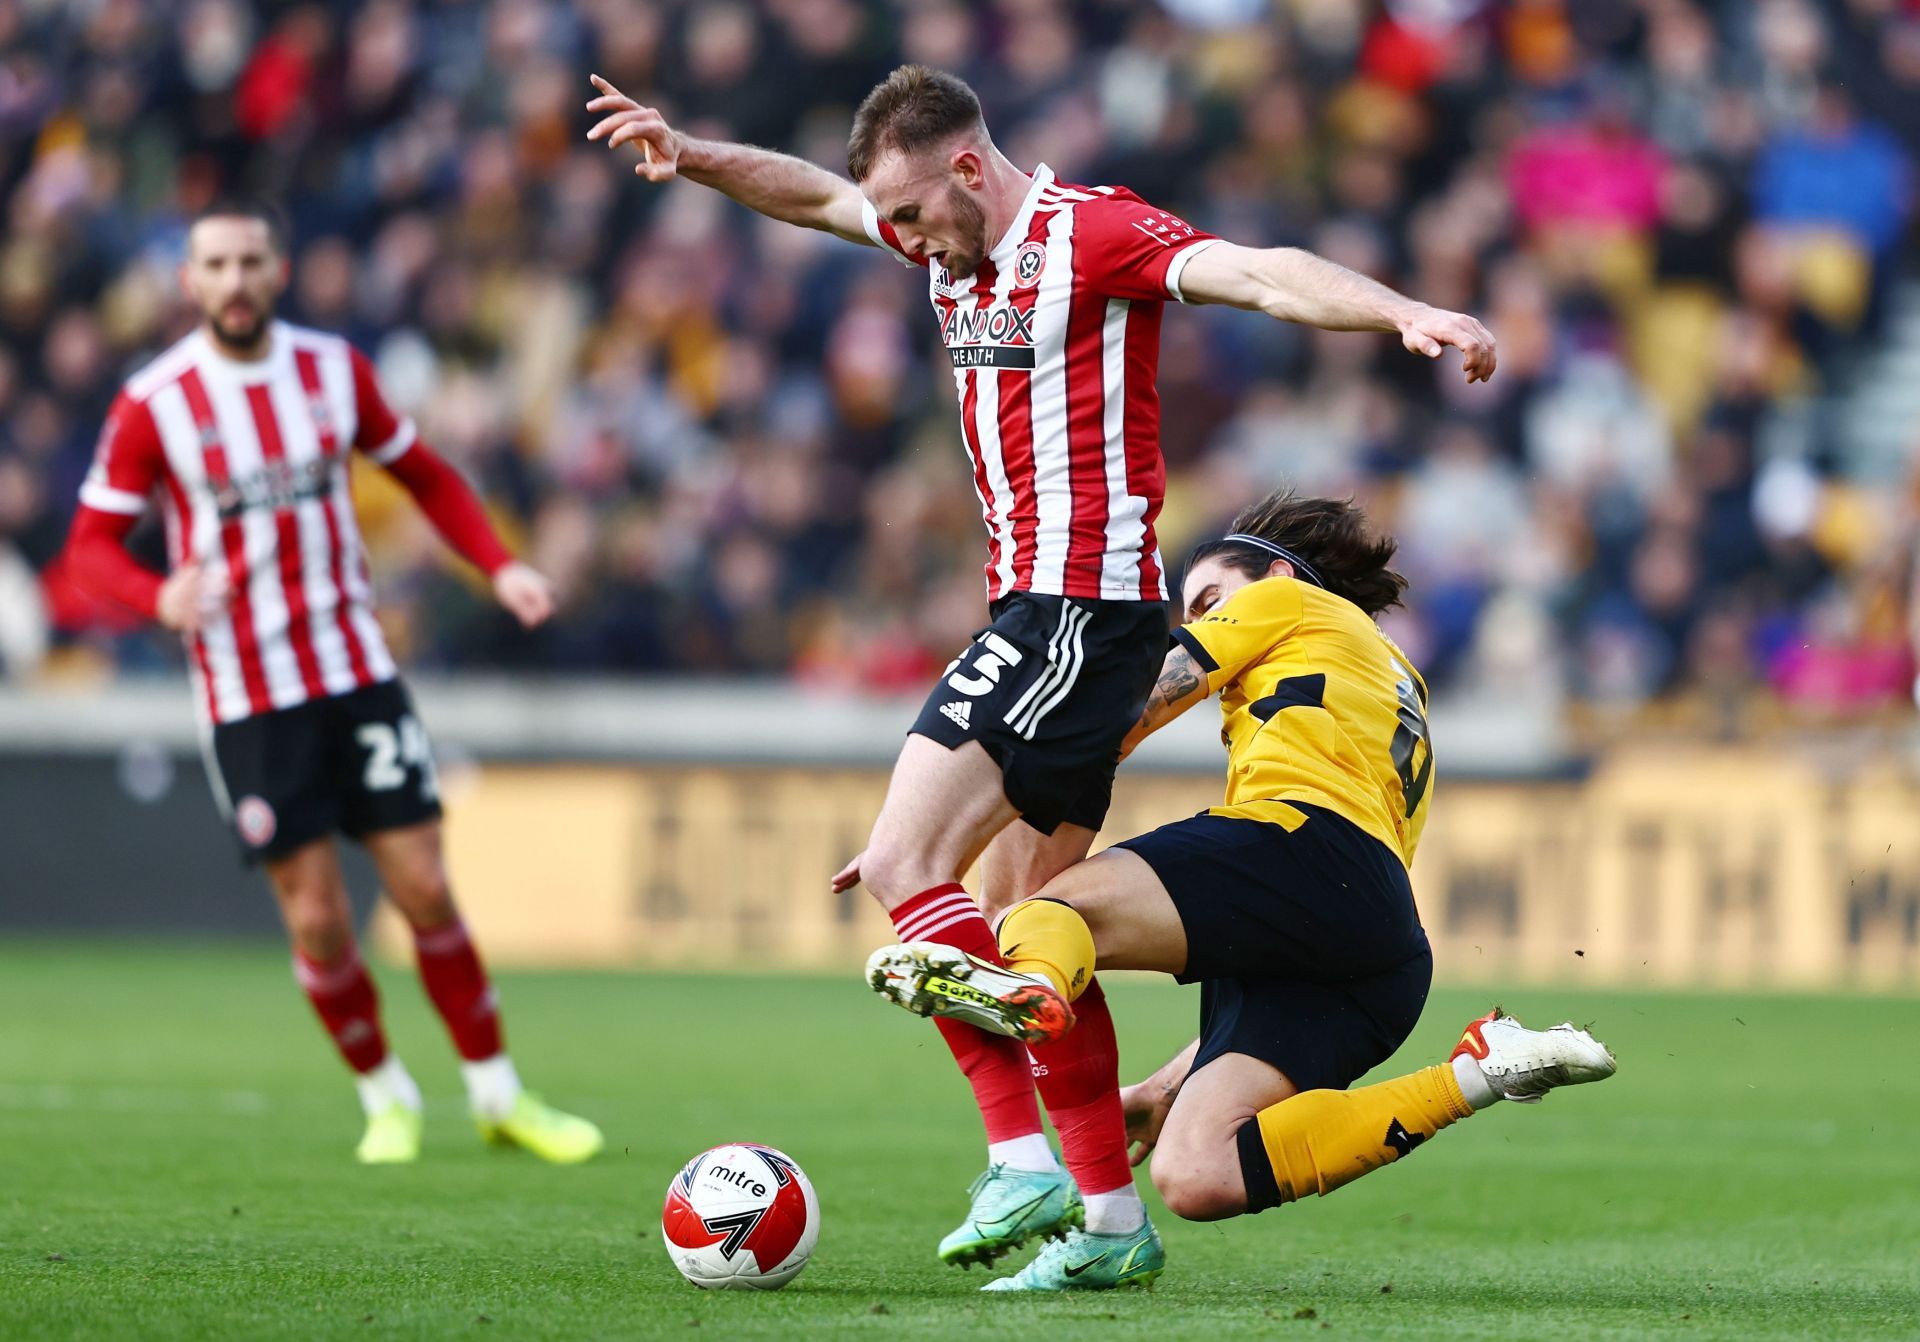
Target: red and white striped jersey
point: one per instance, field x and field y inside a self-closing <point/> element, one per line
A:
<point x="251" y="462"/>
<point x="1055" y="344"/>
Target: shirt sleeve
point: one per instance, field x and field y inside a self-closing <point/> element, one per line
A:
<point x="97" y="560"/>
<point x="1238" y="633"/>
<point x="381" y="434"/>
<point x="1125" y="248"/>
<point x="128" y="461"/>
<point x="883" y="236"/>
<point x="451" y="505"/>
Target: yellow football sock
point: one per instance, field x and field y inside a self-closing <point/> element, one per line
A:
<point x="1320" y="1139"/>
<point x="1049" y="939"/>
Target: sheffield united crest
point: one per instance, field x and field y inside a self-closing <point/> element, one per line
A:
<point x="1028" y="262"/>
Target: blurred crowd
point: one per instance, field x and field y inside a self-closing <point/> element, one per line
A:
<point x="733" y="444"/>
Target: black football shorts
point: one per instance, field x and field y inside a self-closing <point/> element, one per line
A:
<point x="1051" y="689"/>
<point x="1306" y="942"/>
<point x="349" y="763"/>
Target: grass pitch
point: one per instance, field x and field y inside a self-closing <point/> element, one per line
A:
<point x="175" y="1161"/>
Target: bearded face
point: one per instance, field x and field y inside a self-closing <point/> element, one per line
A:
<point x="937" y="218"/>
<point x="235" y="275"/>
<point x="969" y="232"/>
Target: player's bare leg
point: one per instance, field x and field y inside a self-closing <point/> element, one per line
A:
<point x="1128" y="911"/>
<point x="312" y="894"/>
<point x="1020" y="861"/>
<point x="1196" y="1163"/>
<point x="413" y="871"/>
<point x="1241" y="1138"/>
<point x="942" y="809"/>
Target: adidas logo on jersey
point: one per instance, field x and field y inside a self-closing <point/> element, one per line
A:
<point x="961" y="712"/>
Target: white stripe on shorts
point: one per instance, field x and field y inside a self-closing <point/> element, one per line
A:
<point x="1073" y="658"/>
<point x="1041" y="682"/>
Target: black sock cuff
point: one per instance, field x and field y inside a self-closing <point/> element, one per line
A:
<point x="1256" y="1168"/>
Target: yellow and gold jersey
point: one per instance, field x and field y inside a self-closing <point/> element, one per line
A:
<point x="1319" y="707"/>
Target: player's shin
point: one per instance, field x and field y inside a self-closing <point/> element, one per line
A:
<point x="1079" y="1078"/>
<point x="456" y="982"/>
<point x="996" y="1067"/>
<point x="1049" y="939"/>
<point x="344" y="998"/>
<point x="1319" y="1140"/>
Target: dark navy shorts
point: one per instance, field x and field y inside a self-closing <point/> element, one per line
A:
<point x="1050" y="689"/>
<point x="352" y="763"/>
<point x="1306" y="944"/>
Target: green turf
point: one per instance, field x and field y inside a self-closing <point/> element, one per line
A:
<point x="175" y="1139"/>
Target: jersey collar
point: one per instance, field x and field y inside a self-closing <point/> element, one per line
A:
<point x="279" y="354"/>
<point x="1017" y="231"/>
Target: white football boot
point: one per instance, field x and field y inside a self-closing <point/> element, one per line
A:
<point x="933" y="980"/>
<point x="1522" y="1065"/>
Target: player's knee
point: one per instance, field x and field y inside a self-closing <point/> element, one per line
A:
<point x="995" y="902"/>
<point x="1198" y="1180"/>
<point x="890" y="874"/>
<point x="320" y="926"/>
<point x="1198" y="1190"/>
<point x="424" y="895"/>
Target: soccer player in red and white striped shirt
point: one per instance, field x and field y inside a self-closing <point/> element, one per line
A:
<point x="244" y="430"/>
<point x="1049" y="298"/>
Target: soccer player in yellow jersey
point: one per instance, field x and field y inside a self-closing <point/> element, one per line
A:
<point x="1289" y="903"/>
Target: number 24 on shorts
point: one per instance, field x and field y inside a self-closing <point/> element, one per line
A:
<point x="391" y="753"/>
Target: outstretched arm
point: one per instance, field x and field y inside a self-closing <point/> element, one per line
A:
<point x="1296" y="286"/>
<point x="779" y="186"/>
<point x="1182" y="684"/>
<point x="1147" y="1102"/>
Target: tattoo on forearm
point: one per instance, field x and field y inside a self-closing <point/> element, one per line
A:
<point x="1179" y="677"/>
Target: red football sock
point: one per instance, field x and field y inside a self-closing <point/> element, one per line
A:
<point x="456" y="981"/>
<point x="349" y="1008"/>
<point x="995" y="1066"/>
<point x="1079" y="1078"/>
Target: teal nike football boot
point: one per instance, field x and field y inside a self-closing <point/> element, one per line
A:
<point x="1011" y="1207"/>
<point x="1088" y="1262"/>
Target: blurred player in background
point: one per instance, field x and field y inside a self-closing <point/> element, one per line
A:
<point x="1289" y="903"/>
<point x="1049" y="299"/>
<point x="245" y="429"/>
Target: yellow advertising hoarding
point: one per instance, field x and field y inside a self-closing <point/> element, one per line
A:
<point x="1723" y="868"/>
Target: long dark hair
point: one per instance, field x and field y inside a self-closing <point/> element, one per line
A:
<point x="1329" y="534"/>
